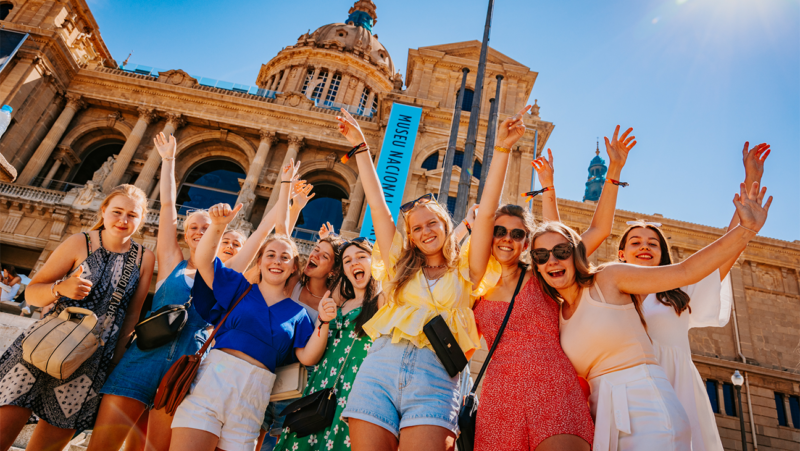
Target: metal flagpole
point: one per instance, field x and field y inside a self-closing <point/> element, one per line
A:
<point x="447" y="165"/>
<point x="533" y="171"/>
<point x="465" y="180"/>
<point x="491" y="136"/>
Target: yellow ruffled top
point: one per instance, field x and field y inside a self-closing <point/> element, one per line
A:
<point x="404" y="317"/>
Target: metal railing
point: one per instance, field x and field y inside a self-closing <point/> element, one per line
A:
<point x="56" y="185"/>
<point x="352" y="109"/>
<point x="149" y="71"/>
<point x="31" y="193"/>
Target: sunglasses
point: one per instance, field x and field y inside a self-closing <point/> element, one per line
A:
<point x="516" y="234"/>
<point x="654" y="224"/>
<point x="408" y="206"/>
<point x="561" y="251"/>
<point x="361" y="239"/>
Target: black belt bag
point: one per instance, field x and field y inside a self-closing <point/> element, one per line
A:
<point x="445" y="345"/>
<point x="162" y="326"/>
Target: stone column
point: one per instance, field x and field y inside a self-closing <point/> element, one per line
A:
<point x="174" y="121"/>
<point x="51" y="173"/>
<point x="247" y="193"/>
<point x="720" y="398"/>
<point x="285" y="79"/>
<point x="324" y="93"/>
<point x="42" y="154"/>
<point x="354" y="211"/>
<point x="295" y="143"/>
<point x="310" y="82"/>
<point x="368" y="106"/>
<point x="39" y="130"/>
<point x="155" y="191"/>
<point x="146" y="117"/>
<point x="343" y="87"/>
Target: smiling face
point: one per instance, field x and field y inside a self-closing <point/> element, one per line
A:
<point x="357" y="264"/>
<point x="559" y="274"/>
<point x="320" y="261"/>
<point x="642" y="247"/>
<point x="505" y="249"/>
<point x="277" y="263"/>
<point x="194" y="228"/>
<point x="426" y="230"/>
<point x="122" y="216"/>
<point x="231" y="243"/>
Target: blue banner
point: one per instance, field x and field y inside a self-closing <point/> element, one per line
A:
<point x="395" y="160"/>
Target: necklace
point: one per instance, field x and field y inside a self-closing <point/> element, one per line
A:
<point x="434" y="267"/>
<point x="312" y="294"/>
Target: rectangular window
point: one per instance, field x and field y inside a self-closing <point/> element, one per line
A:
<point x="794" y="406"/>
<point x="333" y="90"/>
<point x="308" y="79"/>
<point x="458" y="158"/>
<point x="729" y="396"/>
<point x="362" y="103"/>
<point x="781" y="408"/>
<point x="711" y="388"/>
<point x="322" y="79"/>
<point x="374" y="105"/>
<point x="451" y="204"/>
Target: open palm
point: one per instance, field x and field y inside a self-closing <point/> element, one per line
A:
<point x="618" y="148"/>
<point x="166" y="147"/>
<point x="752" y="214"/>
<point x="348" y="126"/>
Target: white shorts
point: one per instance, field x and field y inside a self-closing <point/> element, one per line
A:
<point x="228" y="398"/>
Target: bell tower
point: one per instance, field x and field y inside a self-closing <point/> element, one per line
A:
<point x="597" y="172"/>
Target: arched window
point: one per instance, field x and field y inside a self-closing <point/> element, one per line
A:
<point x="458" y="158"/>
<point x="94" y="160"/>
<point x="210" y="183"/>
<point x="333" y="90"/>
<point x="431" y="163"/>
<point x="5" y="10"/>
<point x="323" y="78"/>
<point x="326" y="206"/>
<point x="466" y="104"/>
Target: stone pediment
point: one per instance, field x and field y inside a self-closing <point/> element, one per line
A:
<point x="472" y="50"/>
<point x="294" y="99"/>
<point x="177" y="77"/>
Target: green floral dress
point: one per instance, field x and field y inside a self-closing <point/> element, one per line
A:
<point x="341" y="336"/>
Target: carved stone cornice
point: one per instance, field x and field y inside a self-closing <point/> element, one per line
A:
<point x="296" y="141"/>
<point x="176" y="119"/>
<point x="149" y="115"/>
<point x="75" y="101"/>
<point x="67" y="155"/>
<point x="268" y="136"/>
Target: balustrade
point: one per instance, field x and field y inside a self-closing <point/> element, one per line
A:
<point x="31" y="193"/>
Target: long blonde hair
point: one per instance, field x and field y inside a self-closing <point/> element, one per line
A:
<point x="133" y="193"/>
<point x="253" y="275"/>
<point x="411" y="258"/>
<point x="584" y="271"/>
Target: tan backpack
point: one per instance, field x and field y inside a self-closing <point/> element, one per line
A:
<point x="60" y="344"/>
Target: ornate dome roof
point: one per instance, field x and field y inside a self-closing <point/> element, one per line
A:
<point x="355" y="36"/>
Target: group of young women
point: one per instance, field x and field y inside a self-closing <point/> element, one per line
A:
<point x="359" y="315"/>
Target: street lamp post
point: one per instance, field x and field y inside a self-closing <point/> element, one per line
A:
<point x="738" y="380"/>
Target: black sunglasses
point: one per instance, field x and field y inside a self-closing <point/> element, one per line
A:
<point x="427" y="198"/>
<point x="561" y="251"/>
<point x="361" y="239"/>
<point x="516" y="234"/>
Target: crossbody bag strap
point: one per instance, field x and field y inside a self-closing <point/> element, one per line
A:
<point x="211" y="337"/>
<point x="122" y="285"/>
<point x="499" y="332"/>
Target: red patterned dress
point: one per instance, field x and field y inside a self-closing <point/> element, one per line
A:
<point x="530" y="390"/>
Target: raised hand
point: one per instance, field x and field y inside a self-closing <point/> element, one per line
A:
<point x="752" y="214"/>
<point x="327" y="308"/>
<point x="545" y="169"/>
<point x="472" y="214"/>
<point x="348" y="126"/>
<point x="289" y="172"/>
<point x="325" y="230"/>
<point x="222" y="214"/>
<point x="302" y="194"/>
<point x="166" y="147"/>
<point x="75" y="287"/>
<point x="753" y="160"/>
<point x="618" y="148"/>
<point x="512" y="129"/>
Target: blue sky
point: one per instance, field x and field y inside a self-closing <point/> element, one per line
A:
<point x="695" y="78"/>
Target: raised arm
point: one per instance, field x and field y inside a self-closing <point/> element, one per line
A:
<point x="40" y="291"/>
<point x="508" y="133"/>
<point x="753" y="160"/>
<point x="168" y="251"/>
<point x="206" y="252"/>
<point x="300" y="197"/>
<point x="464" y="228"/>
<point x="381" y="216"/>
<point x="603" y="218"/>
<point x="545" y="169"/>
<point x="315" y="348"/>
<point x="635" y="279"/>
<point x="288" y="179"/>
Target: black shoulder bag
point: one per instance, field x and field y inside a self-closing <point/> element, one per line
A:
<point x="469" y="409"/>
<point x="162" y="326"/>
<point x="443" y="341"/>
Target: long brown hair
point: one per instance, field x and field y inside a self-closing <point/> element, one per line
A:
<point x="675" y="298"/>
<point x="528" y="223"/>
<point x="411" y="258"/>
<point x="584" y="271"/>
<point x="336" y="242"/>
<point x="253" y="275"/>
<point x="369" y="306"/>
<point x="133" y="193"/>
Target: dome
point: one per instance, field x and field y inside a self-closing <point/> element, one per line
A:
<point x="355" y="36"/>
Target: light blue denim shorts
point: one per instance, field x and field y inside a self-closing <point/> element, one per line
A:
<point x="400" y="385"/>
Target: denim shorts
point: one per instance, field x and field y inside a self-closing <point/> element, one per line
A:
<point x="139" y="373"/>
<point x="400" y="385"/>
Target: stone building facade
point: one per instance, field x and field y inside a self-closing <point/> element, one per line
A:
<point x="83" y="124"/>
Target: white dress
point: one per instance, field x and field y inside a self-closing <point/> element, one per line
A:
<point x="711" y="307"/>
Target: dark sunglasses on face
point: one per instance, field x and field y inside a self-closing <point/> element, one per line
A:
<point x="516" y="234"/>
<point x="361" y="239"/>
<point x="408" y="206"/>
<point x="561" y="251"/>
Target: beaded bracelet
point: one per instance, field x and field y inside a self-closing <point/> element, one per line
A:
<point x="502" y="149"/>
<point x="353" y="152"/>
<point x="531" y="194"/>
<point x="617" y="182"/>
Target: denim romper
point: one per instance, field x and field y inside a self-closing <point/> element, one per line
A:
<point x="140" y="372"/>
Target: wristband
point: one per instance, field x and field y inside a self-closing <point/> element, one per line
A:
<point x="531" y="194"/>
<point x="55" y="292"/>
<point x="502" y="149"/>
<point x="469" y="229"/>
<point x="286" y="181"/>
<point x="352" y="152"/>
<point x="617" y="182"/>
<point x="748" y="229"/>
<point x="168" y="159"/>
<point x="319" y="328"/>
